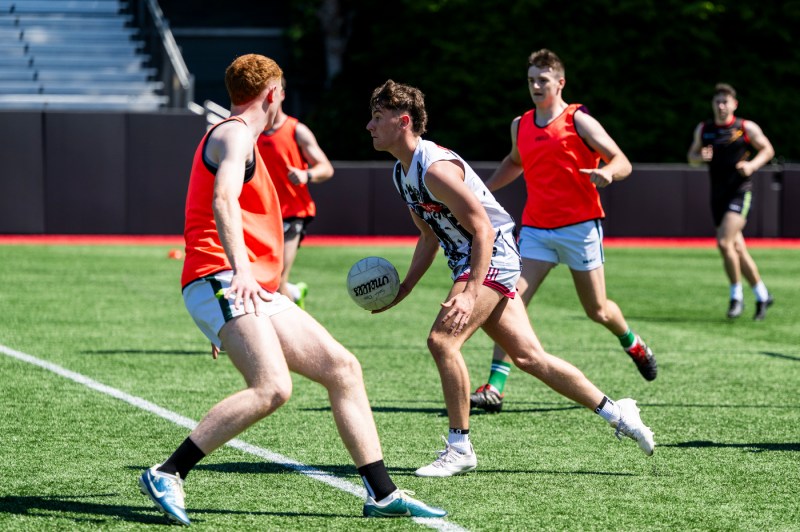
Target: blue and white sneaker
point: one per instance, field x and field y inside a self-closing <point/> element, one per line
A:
<point x="401" y="504"/>
<point x="166" y="492"/>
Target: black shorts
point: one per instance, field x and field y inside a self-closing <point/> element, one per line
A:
<point x="292" y="227"/>
<point x="738" y="202"/>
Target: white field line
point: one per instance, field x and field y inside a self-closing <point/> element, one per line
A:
<point x="284" y="461"/>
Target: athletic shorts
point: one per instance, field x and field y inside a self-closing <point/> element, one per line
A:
<point x="738" y="202"/>
<point x="579" y="246"/>
<point x="504" y="269"/>
<point x="210" y="310"/>
<point x="292" y="227"/>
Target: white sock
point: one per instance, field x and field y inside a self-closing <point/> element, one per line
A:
<point x="389" y="498"/>
<point x="608" y="410"/>
<point x="460" y="442"/>
<point x="761" y="292"/>
<point x="736" y="292"/>
<point x="294" y="292"/>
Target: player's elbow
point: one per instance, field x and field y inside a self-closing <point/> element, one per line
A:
<point x="625" y="169"/>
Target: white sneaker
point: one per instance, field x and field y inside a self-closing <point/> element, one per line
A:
<point x="630" y="425"/>
<point x="450" y="462"/>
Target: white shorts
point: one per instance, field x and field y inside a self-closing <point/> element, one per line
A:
<point x="504" y="269"/>
<point x="502" y="280"/>
<point x="206" y="303"/>
<point x="579" y="246"/>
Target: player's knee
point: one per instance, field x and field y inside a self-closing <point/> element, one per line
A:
<point x="531" y="361"/>
<point x="597" y="315"/>
<point x="439" y="346"/>
<point x="270" y="398"/>
<point x="726" y="244"/>
<point x="345" y="371"/>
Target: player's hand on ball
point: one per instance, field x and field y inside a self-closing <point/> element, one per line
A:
<point x="401" y="295"/>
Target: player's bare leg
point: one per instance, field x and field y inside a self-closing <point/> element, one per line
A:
<point x="445" y="347"/>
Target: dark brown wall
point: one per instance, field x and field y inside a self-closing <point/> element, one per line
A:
<point x="21" y="173"/>
<point x="95" y="173"/>
<point x="655" y="201"/>
<point x="126" y="173"/>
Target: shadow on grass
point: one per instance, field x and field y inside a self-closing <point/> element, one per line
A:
<point x="84" y="513"/>
<point x="780" y="355"/>
<point x="682" y="318"/>
<point x="270" y="468"/>
<point x="344" y="471"/>
<point x="442" y="412"/>
<point x="750" y="447"/>
<point x="206" y="352"/>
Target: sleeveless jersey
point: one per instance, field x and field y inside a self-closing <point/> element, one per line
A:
<point x="558" y="194"/>
<point x="454" y="239"/>
<point x="731" y="145"/>
<point x="279" y="149"/>
<point x="261" y="222"/>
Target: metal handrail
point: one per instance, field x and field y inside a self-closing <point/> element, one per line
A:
<point x="178" y="81"/>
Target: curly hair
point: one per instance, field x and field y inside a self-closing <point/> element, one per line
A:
<point x="399" y="97"/>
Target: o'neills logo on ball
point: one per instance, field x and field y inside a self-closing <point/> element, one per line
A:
<point x="372" y="284"/>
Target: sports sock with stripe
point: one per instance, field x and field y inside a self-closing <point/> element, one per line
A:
<point x="608" y="410"/>
<point x="499" y="374"/>
<point x="459" y="439"/>
<point x="627" y="340"/>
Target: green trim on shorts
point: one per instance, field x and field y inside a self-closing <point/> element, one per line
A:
<point x="216" y="287"/>
<point x="748" y="197"/>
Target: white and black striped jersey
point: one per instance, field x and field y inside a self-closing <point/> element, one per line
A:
<point x="454" y="239"/>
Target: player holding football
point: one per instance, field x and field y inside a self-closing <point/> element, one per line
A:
<point x="453" y="210"/>
<point x="559" y="146"/>
<point x="230" y="279"/>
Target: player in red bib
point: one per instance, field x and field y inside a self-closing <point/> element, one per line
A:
<point x="234" y="259"/>
<point x="294" y="161"/>
<point x="559" y="146"/>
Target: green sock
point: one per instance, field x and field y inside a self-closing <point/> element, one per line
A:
<point x="499" y="374"/>
<point x="627" y="339"/>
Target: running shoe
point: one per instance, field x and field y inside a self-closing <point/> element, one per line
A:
<point x="644" y="359"/>
<point x="166" y="492"/>
<point x="401" y="505"/>
<point x="487" y="398"/>
<point x="761" y="308"/>
<point x="630" y="425"/>
<point x="736" y="307"/>
<point x="450" y="462"/>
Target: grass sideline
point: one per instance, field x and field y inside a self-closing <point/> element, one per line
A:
<point x="725" y="407"/>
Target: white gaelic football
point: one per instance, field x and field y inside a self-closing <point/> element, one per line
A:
<point x="373" y="283"/>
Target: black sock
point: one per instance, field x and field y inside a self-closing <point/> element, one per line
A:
<point x="376" y="480"/>
<point x="183" y="459"/>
